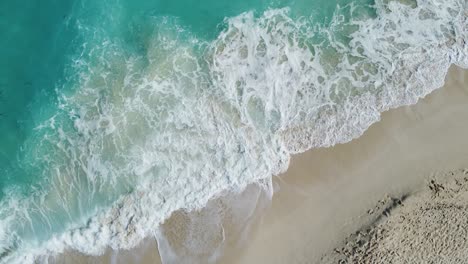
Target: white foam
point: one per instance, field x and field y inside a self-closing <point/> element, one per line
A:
<point x="144" y="140"/>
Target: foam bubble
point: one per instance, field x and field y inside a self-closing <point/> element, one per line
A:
<point x="142" y="136"/>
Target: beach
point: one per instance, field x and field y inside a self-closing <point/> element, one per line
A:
<point x="326" y="193"/>
<point x="329" y="194"/>
<point x="221" y="131"/>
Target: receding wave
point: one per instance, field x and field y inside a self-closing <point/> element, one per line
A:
<point x="140" y="135"/>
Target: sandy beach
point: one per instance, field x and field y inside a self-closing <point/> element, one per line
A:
<point x="233" y="132"/>
<point x="330" y="196"/>
<point x="326" y="193"/>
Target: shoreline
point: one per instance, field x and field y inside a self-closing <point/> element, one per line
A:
<point x="338" y="185"/>
<point x="325" y="194"/>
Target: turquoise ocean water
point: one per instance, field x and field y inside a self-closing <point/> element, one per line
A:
<point x="116" y="113"/>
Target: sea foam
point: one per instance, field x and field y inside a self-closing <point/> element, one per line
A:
<point x="142" y="136"/>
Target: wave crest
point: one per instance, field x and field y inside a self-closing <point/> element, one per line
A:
<point x="142" y="136"/>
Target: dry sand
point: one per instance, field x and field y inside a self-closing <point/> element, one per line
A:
<point x="326" y="195"/>
<point x="429" y="226"/>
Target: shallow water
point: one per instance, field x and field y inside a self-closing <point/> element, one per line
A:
<point x="117" y="113"/>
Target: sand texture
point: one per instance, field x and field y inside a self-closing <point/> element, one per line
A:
<point x="430" y="226"/>
<point x="345" y="204"/>
<point x="326" y="194"/>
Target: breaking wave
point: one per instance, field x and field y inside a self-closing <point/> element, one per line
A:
<point x="138" y="135"/>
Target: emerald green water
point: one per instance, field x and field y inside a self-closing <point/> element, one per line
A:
<point x="41" y="38"/>
<point x="33" y="50"/>
<point x="102" y="98"/>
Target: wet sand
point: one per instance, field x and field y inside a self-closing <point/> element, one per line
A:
<point x="326" y="194"/>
